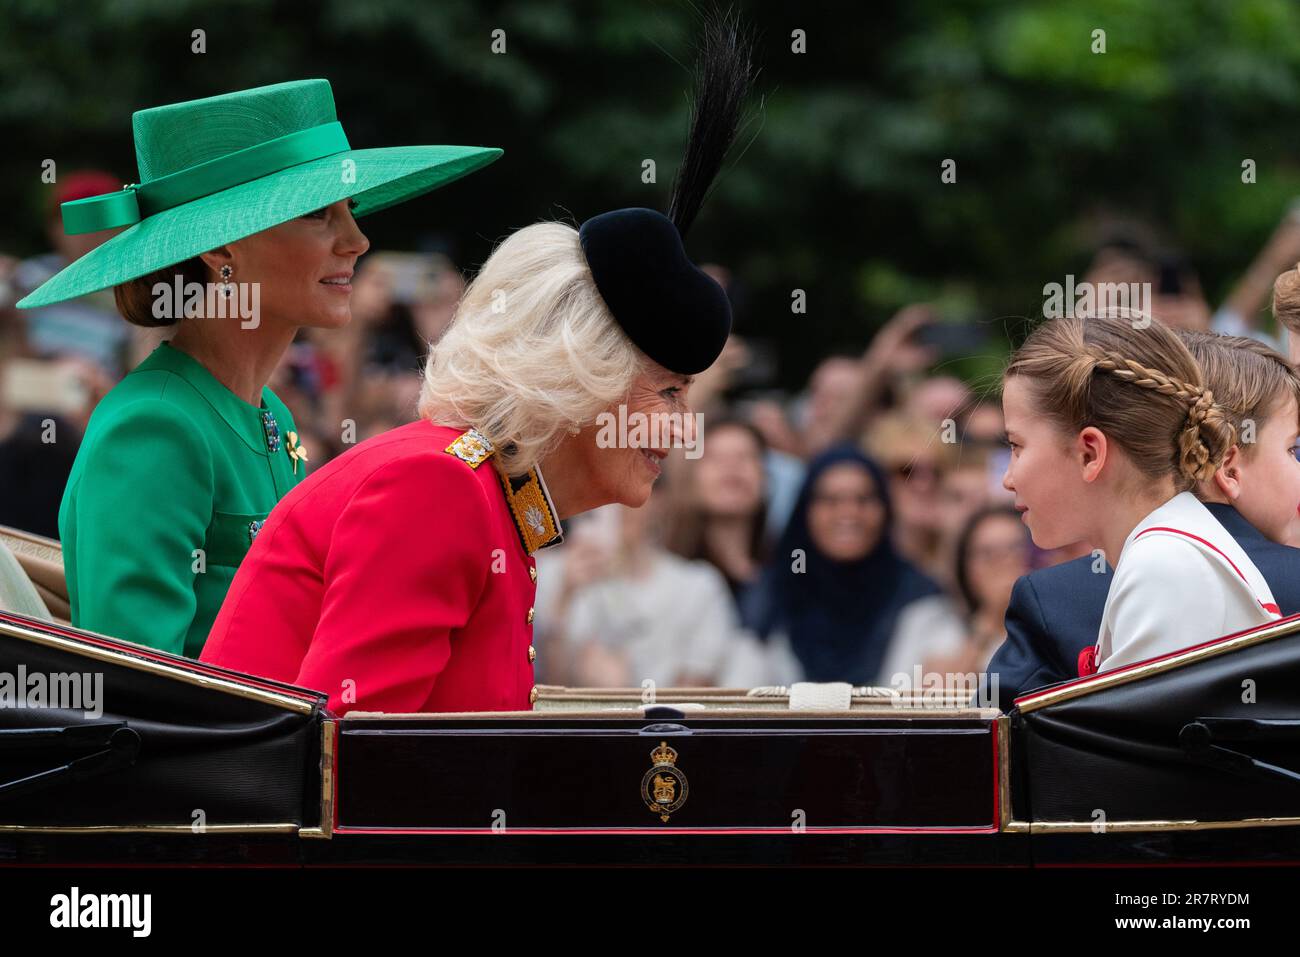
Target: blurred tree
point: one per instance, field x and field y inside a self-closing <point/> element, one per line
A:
<point x="839" y="192"/>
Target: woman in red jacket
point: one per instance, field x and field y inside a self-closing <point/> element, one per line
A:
<point x="400" y="577"/>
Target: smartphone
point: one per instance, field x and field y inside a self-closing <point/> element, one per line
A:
<point x="409" y="272"/>
<point x="952" y="338"/>
<point x="760" y="371"/>
<point x="1171" y="278"/>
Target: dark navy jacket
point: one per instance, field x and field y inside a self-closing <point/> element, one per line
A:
<point x="1055" y="612"/>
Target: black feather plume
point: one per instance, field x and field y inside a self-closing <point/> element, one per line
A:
<point x="724" y="76"/>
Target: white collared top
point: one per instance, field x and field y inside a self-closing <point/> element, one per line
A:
<point x="1181" y="579"/>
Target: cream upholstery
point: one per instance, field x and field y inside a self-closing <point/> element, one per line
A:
<point x="31" y="576"/>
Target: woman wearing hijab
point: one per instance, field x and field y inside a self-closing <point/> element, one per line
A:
<point x="240" y="232"/>
<point x="838" y="603"/>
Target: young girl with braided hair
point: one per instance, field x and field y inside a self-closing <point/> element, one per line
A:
<point x="1111" y="427"/>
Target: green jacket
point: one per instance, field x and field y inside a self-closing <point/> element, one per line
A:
<point x="173" y="479"/>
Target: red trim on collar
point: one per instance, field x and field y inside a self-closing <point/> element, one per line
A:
<point x="1271" y="608"/>
<point x="1089" y="658"/>
<point x="1179" y="531"/>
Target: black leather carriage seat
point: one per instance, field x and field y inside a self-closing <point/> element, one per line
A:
<point x="1207" y="734"/>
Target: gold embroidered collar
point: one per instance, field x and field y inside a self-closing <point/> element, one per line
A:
<point x="529" y="500"/>
<point x="531" y="508"/>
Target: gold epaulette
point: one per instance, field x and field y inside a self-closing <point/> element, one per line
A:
<point x="471" y="447"/>
<point x="526" y="495"/>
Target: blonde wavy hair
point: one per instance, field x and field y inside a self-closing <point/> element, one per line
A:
<point x="533" y="352"/>
<point x="1141" y="387"/>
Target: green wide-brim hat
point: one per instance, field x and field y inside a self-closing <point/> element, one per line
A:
<point x="218" y="169"/>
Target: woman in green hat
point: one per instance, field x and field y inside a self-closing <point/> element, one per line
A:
<point x="240" y="232"/>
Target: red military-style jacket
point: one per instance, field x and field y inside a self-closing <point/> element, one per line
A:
<point x="399" y="577"/>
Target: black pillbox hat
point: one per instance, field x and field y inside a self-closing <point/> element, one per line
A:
<point x="671" y="309"/>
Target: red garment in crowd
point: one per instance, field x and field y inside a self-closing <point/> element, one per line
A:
<point x="399" y="577"/>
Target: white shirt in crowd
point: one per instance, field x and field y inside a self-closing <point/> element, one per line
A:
<point x="1181" y="579"/>
<point x="675" y="619"/>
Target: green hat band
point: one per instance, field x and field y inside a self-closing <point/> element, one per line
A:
<point x="216" y="170"/>
<point x="135" y="202"/>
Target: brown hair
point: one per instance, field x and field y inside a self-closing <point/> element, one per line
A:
<point x="687" y="523"/>
<point x="1141" y="387"/>
<point x="1250" y="380"/>
<point x="1286" y="300"/>
<point x="135" y="297"/>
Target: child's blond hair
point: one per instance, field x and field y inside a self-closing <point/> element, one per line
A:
<point x="1251" y="382"/>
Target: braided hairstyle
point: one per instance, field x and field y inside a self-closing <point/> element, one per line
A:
<point x="1250" y="381"/>
<point x="1139" y="386"/>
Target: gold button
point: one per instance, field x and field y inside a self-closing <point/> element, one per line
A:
<point x="532" y="654"/>
<point x="532" y="695"/>
<point x="532" y="572"/>
<point x="530" y="616"/>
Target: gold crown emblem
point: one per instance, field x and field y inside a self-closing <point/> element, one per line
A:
<point x="663" y="756"/>
<point x="663" y="787"/>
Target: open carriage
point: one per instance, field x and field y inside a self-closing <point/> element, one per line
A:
<point x="1190" y="758"/>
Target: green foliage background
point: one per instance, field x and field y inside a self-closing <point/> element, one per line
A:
<point x="838" y="193"/>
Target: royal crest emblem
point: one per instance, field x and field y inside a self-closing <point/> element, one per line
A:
<point x="664" y="787"/>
